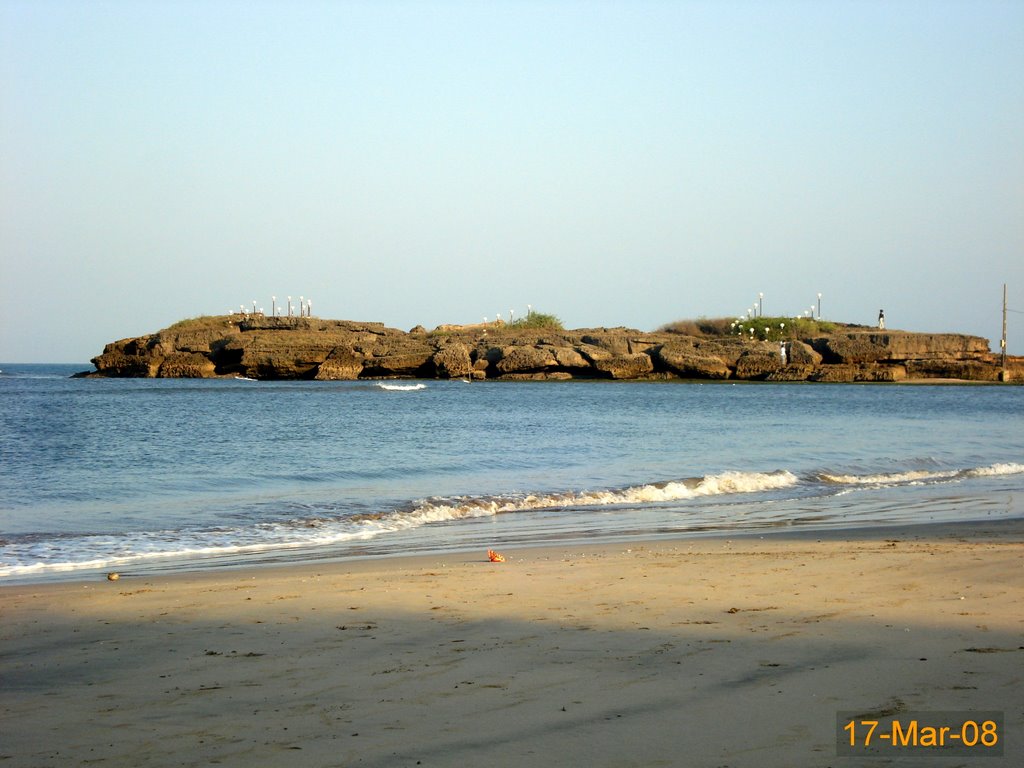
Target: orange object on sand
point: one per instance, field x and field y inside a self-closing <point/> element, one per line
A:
<point x="495" y="557"/>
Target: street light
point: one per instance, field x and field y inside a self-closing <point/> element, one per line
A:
<point x="819" y="305"/>
<point x="289" y="306"/>
<point x="760" y="304"/>
<point x="273" y="306"/>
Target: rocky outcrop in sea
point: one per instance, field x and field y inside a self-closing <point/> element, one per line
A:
<point x="310" y="348"/>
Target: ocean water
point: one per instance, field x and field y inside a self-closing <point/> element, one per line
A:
<point x="142" y="475"/>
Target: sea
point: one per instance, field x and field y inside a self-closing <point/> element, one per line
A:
<point x="163" y="475"/>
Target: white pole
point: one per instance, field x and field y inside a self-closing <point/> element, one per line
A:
<point x="1002" y="342"/>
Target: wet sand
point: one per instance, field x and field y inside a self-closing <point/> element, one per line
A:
<point x="708" y="652"/>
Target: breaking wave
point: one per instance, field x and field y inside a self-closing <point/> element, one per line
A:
<point x="401" y="387"/>
<point x="651" y="493"/>
<point x="83" y="552"/>
<point x="315" y="529"/>
<point x="996" y="469"/>
<point x="921" y="475"/>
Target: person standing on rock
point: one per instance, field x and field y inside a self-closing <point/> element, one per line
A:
<point x="881" y="319"/>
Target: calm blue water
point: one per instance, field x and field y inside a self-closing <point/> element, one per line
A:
<point x="142" y="474"/>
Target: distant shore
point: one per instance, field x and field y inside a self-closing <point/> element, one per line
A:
<point x="731" y="651"/>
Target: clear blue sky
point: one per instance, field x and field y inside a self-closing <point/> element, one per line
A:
<point x="614" y="163"/>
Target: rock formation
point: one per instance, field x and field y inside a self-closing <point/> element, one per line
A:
<point x="309" y="348"/>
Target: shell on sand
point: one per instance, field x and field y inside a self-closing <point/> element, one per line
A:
<point x="113" y="576"/>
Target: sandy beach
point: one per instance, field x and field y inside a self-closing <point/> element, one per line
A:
<point x="707" y="652"/>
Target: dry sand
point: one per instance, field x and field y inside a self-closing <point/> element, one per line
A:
<point x="680" y="652"/>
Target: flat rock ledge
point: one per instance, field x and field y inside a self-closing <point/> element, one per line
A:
<point x="282" y="348"/>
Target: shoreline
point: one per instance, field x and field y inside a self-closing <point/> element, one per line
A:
<point x="313" y="557"/>
<point x="733" y="650"/>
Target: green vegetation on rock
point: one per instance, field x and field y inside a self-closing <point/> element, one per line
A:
<point x="202" y="322"/>
<point x="538" y="320"/>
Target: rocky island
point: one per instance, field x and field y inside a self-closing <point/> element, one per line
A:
<point x="259" y="347"/>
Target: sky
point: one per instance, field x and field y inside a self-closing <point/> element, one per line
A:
<point x="623" y="163"/>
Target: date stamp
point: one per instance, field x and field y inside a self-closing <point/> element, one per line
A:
<point x="940" y="733"/>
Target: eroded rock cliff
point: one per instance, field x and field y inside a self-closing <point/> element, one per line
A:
<point x="310" y="348"/>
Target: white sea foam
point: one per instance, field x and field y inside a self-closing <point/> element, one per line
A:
<point x="922" y="475"/>
<point x="997" y="469"/>
<point x="401" y="387"/>
<point x="91" y="552"/>
<point x="80" y="556"/>
<point x="887" y="478"/>
<point x="106" y="552"/>
<point x="652" y="493"/>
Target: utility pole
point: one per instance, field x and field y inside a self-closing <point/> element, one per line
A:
<point x="1002" y="342"/>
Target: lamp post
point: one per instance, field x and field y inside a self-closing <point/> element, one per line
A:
<point x="819" y="305"/>
<point x="289" y="306"/>
<point x="302" y="302"/>
<point x="309" y="307"/>
<point x="760" y="304"/>
<point x="273" y="306"/>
